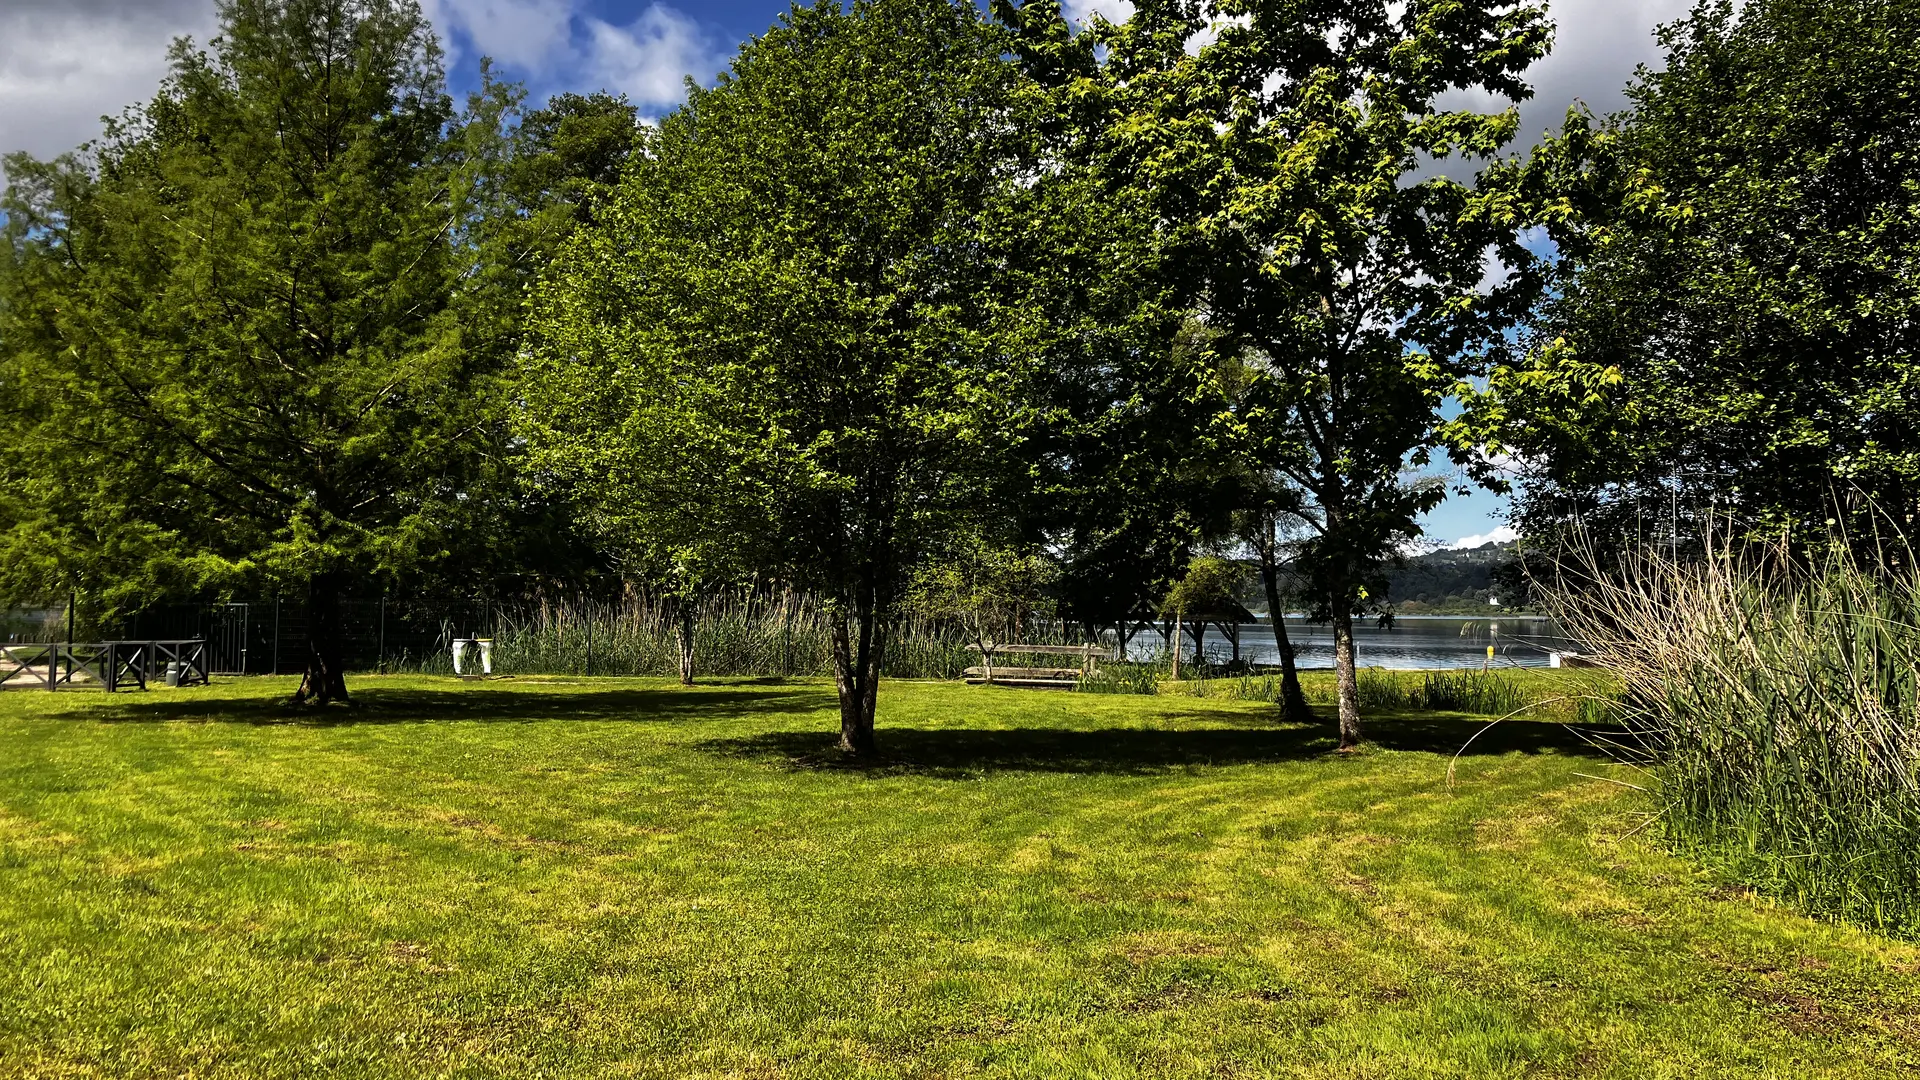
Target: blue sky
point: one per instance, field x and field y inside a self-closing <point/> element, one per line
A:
<point x="64" y="63"/>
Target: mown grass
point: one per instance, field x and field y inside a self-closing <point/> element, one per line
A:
<point x="622" y="878"/>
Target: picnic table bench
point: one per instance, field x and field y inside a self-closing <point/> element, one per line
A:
<point x="1045" y="678"/>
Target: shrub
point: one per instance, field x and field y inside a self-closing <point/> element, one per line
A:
<point x="1125" y="678"/>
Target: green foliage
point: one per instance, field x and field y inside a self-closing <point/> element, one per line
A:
<point x="1733" y="320"/>
<point x="989" y="591"/>
<point x="795" y="342"/>
<point x="765" y="353"/>
<point x="236" y="347"/>
<point x="1456" y="582"/>
<point x="1470" y="691"/>
<point x="1210" y="586"/>
<point x="1283" y="159"/>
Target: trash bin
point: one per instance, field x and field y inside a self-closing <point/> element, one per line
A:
<point x="173" y="673"/>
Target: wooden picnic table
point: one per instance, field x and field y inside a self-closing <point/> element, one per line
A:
<point x="1047" y="678"/>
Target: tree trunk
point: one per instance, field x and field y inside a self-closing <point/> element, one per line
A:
<point x="1343" y="662"/>
<point x="1293" y="703"/>
<point x="325" y="679"/>
<point x="1178" y="644"/>
<point x="686" y="613"/>
<point x="856" y="672"/>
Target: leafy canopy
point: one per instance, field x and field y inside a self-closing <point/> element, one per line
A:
<point x="231" y="338"/>
<point x="1735" y="309"/>
<point x="798" y="341"/>
<point x="1287" y="151"/>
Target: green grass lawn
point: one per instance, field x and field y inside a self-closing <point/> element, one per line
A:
<point x="590" y="878"/>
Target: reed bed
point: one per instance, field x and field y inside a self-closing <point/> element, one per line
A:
<point x="1776" y="700"/>
<point x="734" y="635"/>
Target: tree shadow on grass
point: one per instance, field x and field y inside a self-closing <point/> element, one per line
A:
<point x="963" y="753"/>
<point x="381" y="705"/>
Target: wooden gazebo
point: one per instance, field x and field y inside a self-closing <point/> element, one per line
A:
<point x="1227" y="617"/>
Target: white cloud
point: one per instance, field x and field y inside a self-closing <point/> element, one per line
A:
<point x="1499" y="535"/>
<point x="560" y="45"/>
<point x="529" y="35"/>
<point x="650" y="58"/>
<point x="1083" y="10"/>
<point x="65" y="65"/>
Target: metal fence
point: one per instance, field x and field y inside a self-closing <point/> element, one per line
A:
<point x="269" y="637"/>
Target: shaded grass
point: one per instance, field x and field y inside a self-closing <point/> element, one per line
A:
<point x="617" y="877"/>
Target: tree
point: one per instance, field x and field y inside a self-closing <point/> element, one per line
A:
<point x="1733" y="326"/>
<point x="530" y="177"/>
<point x="1262" y="525"/>
<point x="536" y="175"/>
<point x="798" y="340"/>
<point x="231" y="328"/>
<point x="1210" y="586"/>
<point x="990" y="591"/>
<point x="1291" y="158"/>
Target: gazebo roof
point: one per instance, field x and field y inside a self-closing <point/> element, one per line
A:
<point x="1230" y="612"/>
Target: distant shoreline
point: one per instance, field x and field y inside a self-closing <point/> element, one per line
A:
<point x="1261" y="616"/>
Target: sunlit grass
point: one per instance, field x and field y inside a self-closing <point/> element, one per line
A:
<point x="622" y="878"/>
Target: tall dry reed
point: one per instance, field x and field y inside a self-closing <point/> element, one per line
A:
<point x="734" y="635"/>
<point x="1777" y="699"/>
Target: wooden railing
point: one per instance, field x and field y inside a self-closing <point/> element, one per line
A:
<point x="110" y="665"/>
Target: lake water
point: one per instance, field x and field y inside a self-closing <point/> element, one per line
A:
<point x="1413" y="643"/>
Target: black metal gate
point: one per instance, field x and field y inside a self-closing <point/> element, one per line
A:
<point x="227" y="639"/>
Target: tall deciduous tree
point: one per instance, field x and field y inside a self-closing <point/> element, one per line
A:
<point x="230" y="330"/>
<point x="1138" y="474"/>
<point x="1289" y="148"/>
<point x="797" y="341"/>
<point x="1209" y="587"/>
<point x="1266" y="525"/>
<point x="1735" y="323"/>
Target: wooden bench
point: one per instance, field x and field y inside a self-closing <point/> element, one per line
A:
<point x="1042" y="678"/>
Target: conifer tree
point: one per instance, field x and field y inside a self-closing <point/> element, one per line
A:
<point x="229" y="329"/>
